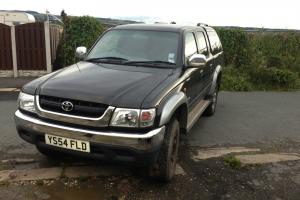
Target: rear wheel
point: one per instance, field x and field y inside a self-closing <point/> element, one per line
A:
<point x="164" y="169"/>
<point x="211" y="109"/>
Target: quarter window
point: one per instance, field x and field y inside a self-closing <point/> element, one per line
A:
<point x="215" y="42"/>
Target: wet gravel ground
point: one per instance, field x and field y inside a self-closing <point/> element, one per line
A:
<point x="206" y="179"/>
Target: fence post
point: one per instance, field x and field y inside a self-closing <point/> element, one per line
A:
<point x="14" y="51"/>
<point x="48" y="47"/>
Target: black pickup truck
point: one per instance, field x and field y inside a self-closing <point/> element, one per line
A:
<point x="129" y="98"/>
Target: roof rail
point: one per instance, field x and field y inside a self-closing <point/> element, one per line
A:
<point x="160" y="23"/>
<point x="202" y="24"/>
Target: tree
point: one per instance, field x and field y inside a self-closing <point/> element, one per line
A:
<point x="63" y="15"/>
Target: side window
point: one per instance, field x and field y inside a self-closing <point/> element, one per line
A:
<point x="202" y="46"/>
<point x="215" y="42"/>
<point x="190" y="45"/>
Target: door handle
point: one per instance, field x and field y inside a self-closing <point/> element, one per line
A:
<point x="201" y="71"/>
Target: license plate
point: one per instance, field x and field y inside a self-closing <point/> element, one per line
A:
<point x="67" y="143"/>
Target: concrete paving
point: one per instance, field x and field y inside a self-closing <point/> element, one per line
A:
<point x="203" y="154"/>
<point x="267" y="158"/>
<point x="67" y="172"/>
<point x="14" y="82"/>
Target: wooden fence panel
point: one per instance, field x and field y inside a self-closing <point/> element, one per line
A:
<point x="6" y="62"/>
<point x="30" y="46"/>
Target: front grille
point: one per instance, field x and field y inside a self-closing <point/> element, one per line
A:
<point x="80" y="108"/>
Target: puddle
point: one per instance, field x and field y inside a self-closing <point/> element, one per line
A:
<point x="91" y="190"/>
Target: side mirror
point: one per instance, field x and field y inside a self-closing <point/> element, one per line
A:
<point x="197" y="60"/>
<point x="80" y="52"/>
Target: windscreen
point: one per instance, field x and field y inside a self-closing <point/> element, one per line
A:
<point x="137" y="45"/>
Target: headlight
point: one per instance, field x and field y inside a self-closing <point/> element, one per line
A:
<point x="124" y="117"/>
<point x="26" y="102"/>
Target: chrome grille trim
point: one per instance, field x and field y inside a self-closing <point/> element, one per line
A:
<point x="102" y="121"/>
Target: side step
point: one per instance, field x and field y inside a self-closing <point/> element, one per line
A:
<point x="196" y="113"/>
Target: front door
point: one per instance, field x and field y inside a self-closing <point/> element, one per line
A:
<point x="195" y="75"/>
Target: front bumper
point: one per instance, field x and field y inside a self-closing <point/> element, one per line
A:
<point x="130" y="146"/>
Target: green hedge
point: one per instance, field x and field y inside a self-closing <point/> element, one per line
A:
<point x="234" y="80"/>
<point x="235" y="44"/>
<point x="260" y="61"/>
<point x="78" y="31"/>
<point x="275" y="78"/>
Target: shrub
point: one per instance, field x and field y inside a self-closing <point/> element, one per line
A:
<point x="260" y="60"/>
<point x="235" y="43"/>
<point x="233" y="162"/>
<point x="276" y="49"/>
<point x="79" y="31"/>
<point x="232" y="80"/>
<point x="274" y="78"/>
<point x="274" y="61"/>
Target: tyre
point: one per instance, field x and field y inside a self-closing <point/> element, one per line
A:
<point x="165" y="166"/>
<point x="211" y="109"/>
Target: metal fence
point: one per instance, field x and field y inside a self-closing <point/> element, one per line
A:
<point x="28" y="48"/>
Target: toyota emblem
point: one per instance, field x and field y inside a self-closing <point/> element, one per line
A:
<point x="67" y="106"/>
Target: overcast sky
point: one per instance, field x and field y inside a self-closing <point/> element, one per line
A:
<point x="254" y="13"/>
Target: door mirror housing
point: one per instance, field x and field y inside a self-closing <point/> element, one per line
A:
<point x="197" y="60"/>
<point x="81" y="52"/>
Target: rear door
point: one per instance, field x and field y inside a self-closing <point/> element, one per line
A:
<point x="205" y="72"/>
<point x="215" y="48"/>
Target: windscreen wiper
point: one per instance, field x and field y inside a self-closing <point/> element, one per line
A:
<point x="106" y="59"/>
<point x="150" y="62"/>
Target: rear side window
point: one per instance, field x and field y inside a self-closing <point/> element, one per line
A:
<point x="190" y="45"/>
<point x="215" y="42"/>
<point x="202" y="46"/>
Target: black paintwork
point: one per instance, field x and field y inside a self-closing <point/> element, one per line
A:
<point x="132" y="86"/>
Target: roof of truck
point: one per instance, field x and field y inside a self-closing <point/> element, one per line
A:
<point x="157" y="27"/>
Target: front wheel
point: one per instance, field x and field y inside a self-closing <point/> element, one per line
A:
<point x="164" y="169"/>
